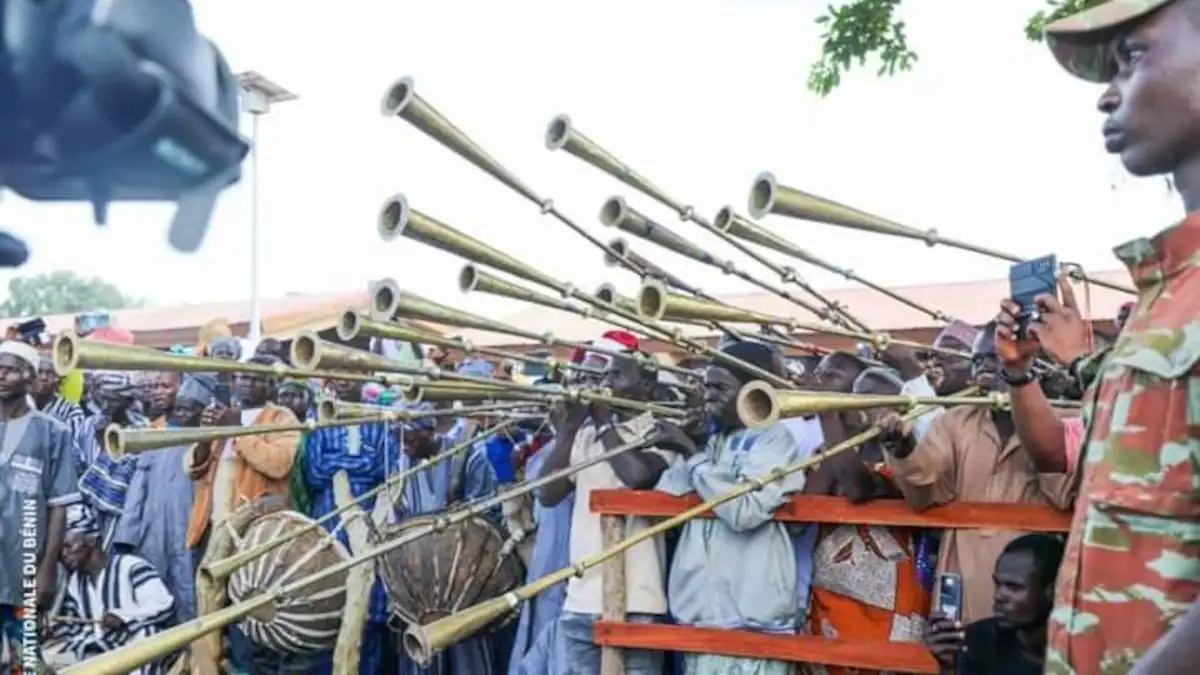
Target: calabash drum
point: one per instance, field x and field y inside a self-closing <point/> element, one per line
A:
<point x="308" y="622"/>
<point x="441" y="573"/>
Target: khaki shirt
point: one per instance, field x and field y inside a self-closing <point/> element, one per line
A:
<point x="960" y="458"/>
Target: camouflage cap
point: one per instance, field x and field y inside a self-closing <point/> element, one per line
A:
<point x="1080" y="42"/>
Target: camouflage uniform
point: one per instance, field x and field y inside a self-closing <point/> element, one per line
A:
<point x="1132" y="564"/>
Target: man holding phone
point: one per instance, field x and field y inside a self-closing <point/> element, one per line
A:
<point x="1126" y="600"/>
<point x="1013" y="640"/>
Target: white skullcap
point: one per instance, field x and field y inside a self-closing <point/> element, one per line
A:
<point x="21" y="351"/>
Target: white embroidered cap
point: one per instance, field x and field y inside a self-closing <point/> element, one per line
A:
<point x="21" y="351"/>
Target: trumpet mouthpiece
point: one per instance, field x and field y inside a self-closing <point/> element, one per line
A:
<point x="762" y="194"/>
<point x="557" y="132"/>
<point x="397" y="97"/>
<point x="468" y="278"/>
<point x="393" y="217"/>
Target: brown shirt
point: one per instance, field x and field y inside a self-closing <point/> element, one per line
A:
<point x="960" y="458"/>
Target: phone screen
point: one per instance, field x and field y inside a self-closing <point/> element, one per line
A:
<point x="950" y="595"/>
<point x="1028" y="280"/>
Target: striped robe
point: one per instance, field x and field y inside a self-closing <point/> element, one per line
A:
<point x="128" y="588"/>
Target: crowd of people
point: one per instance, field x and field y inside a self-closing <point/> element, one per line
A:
<point x="130" y="532"/>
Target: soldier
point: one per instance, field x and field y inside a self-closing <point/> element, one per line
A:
<point x="1127" y="589"/>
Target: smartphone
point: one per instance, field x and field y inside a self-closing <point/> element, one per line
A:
<point x="950" y="595"/>
<point x="1027" y="280"/>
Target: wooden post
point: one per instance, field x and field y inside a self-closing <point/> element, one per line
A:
<point x="348" y="651"/>
<point x="612" y="531"/>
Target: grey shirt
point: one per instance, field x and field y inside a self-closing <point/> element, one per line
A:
<point x="37" y="472"/>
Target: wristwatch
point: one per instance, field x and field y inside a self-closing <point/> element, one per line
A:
<point x="1018" y="379"/>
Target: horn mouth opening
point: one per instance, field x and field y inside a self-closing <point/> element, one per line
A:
<point x="607" y="293"/>
<point x="652" y="300"/>
<point x="762" y="194"/>
<point x="393" y="217"/>
<point x="384" y="300"/>
<point x="397" y="97"/>
<point x="557" y="132"/>
<point x="612" y="211"/>
<point x="113" y="441"/>
<point x="618" y="247"/>
<point x="412" y="394"/>
<point x="756" y="405"/>
<point x="349" y="325"/>
<point x="65" y="353"/>
<point x="415" y="645"/>
<point x="304" y="352"/>
<point x="468" y="278"/>
<point x="724" y="218"/>
<point x="326" y="410"/>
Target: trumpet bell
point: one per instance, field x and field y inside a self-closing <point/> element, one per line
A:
<point x="619" y="247"/>
<point x="762" y="194"/>
<point x="558" y="132"/>
<point x="393" y="217"/>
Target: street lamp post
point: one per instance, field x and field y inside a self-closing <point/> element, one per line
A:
<point x="258" y="94"/>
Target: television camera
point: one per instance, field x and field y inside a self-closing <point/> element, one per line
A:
<point x="107" y="101"/>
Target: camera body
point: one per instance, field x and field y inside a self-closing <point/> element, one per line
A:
<point x="123" y="100"/>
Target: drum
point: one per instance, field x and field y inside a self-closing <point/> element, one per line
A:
<point x="308" y="622"/>
<point x="439" y="574"/>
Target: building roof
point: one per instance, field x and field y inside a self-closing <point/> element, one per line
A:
<point x="282" y="318"/>
<point x="975" y="302"/>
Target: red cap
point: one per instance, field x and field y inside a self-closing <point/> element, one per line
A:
<point x="624" y="337"/>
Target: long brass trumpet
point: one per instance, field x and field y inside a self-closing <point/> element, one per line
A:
<point x="388" y="300"/>
<point x="616" y="212"/>
<point x="422" y="642"/>
<point x="672" y="281"/>
<point x="462" y="391"/>
<point x="125" y="659"/>
<point x="120" y="441"/>
<point x="332" y="409"/>
<point x="353" y="324"/>
<point x="657" y="303"/>
<point x="397" y="218"/>
<point x="562" y="135"/>
<point x="473" y="279"/>
<point x="310" y="351"/>
<point x="759" y="405"/>
<point x="71" y="352"/>
<point x="734" y="225"/>
<point x="768" y="196"/>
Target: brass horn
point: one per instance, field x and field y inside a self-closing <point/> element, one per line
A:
<point x="441" y="235"/>
<point x="621" y="246"/>
<point x="616" y="212"/>
<point x="71" y="352"/>
<point x="736" y="226"/>
<point x="608" y="293"/>
<point x="463" y="391"/>
<point x="562" y="135"/>
<point x="332" y="409"/>
<point x="353" y="324"/>
<point x="759" y="405"/>
<point x="657" y="303"/>
<point x="120" y="441"/>
<point x="401" y="100"/>
<point x="472" y="278"/>
<point x="767" y="196"/>
<point x="422" y="642"/>
<point x="126" y="658"/>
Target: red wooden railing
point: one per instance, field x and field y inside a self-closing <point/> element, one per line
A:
<point x="868" y="655"/>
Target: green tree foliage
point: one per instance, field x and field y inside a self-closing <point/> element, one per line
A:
<point x="858" y="30"/>
<point x="62" y="292"/>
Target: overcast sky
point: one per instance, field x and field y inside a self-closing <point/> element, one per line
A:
<point x="987" y="141"/>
